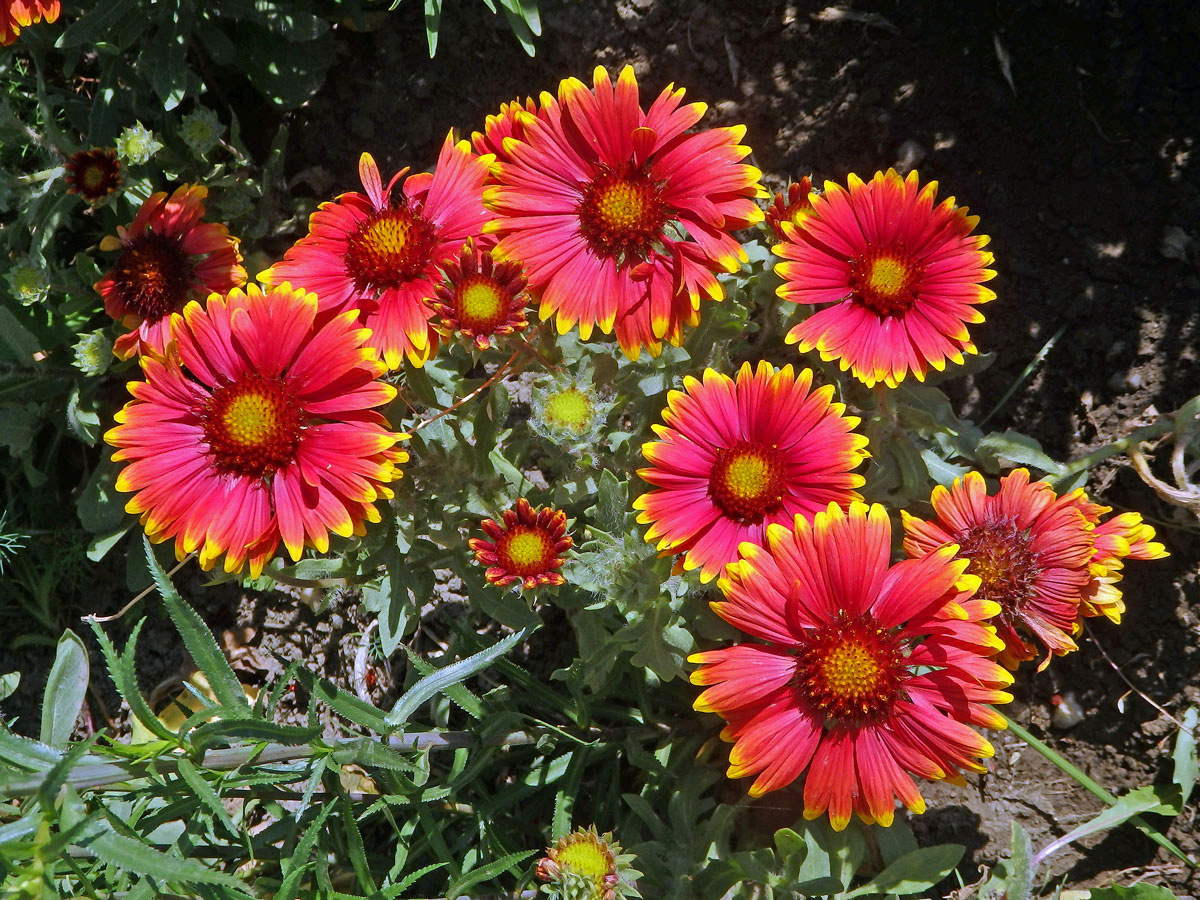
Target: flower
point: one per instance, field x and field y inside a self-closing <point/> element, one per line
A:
<point x="621" y="218"/>
<point x="93" y="353"/>
<point x="735" y="457"/>
<point x="93" y="174"/>
<point x="900" y="277"/>
<point x="28" y="281"/>
<point x="508" y="123"/>
<point x="168" y="258"/>
<point x="1045" y="561"/>
<point x="382" y="256"/>
<point x="570" y="411"/>
<point x="262" y="430"/>
<point x="527" y="547"/>
<point x="201" y="130"/>
<point x="794" y="207"/>
<point x="869" y="673"/>
<point x="585" y="865"/>
<point x="18" y="14"/>
<point x="482" y="297"/>
<point x="137" y="144"/>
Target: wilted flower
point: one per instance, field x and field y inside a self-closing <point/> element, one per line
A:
<point x="93" y="174"/>
<point x="585" y="865"/>
<point x="201" y="130"/>
<point x="93" y="353"/>
<point x="528" y="546"/>
<point x="29" y="282"/>
<point x="137" y="144"/>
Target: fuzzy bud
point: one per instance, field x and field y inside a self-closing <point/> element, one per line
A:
<point x="28" y="282"/>
<point x="137" y="144"/>
<point x="201" y="130"/>
<point x="93" y="353"/>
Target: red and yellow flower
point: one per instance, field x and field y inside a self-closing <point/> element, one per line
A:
<point x="508" y="124"/>
<point x="734" y="457"/>
<point x="526" y="546"/>
<point x="95" y="175"/>
<point x="481" y="298"/>
<point x="18" y="14"/>
<point x="868" y="674"/>
<point x="382" y="255"/>
<point x="169" y="257"/>
<point x="1045" y="561"/>
<point x="261" y="430"/>
<point x="793" y="206"/>
<point x="621" y="215"/>
<point x="900" y="278"/>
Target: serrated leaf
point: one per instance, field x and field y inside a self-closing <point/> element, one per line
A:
<point x="298" y="863"/>
<point x="915" y="871"/>
<point x="206" y="794"/>
<point x="134" y="856"/>
<point x="940" y="471"/>
<point x="343" y="703"/>
<point x="66" y="687"/>
<point x="491" y="870"/>
<point x="1015" y="447"/>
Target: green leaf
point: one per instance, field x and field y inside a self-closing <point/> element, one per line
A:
<point x="1184" y="755"/>
<point x="1020" y="865"/>
<point x="1141" y="891"/>
<point x="8" y="684"/>
<point x="166" y="55"/>
<point x="25" y="753"/>
<point x="225" y="730"/>
<point x="297" y="865"/>
<point x="941" y="471"/>
<point x="122" y="670"/>
<point x="206" y="793"/>
<point x="197" y="638"/>
<point x="1015" y="447"/>
<point x="101" y="507"/>
<point x="65" y="690"/>
<point x="101" y="19"/>
<point x="345" y="704"/>
<point x="895" y="840"/>
<point x="455" y="673"/>
<point x="134" y="856"/>
<point x="287" y="73"/>
<point x="354" y="844"/>
<point x="57" y="776"/>
<point x="914" y="872"/>
<point x="486" y="872"/>
<point x="1164" y="800"/>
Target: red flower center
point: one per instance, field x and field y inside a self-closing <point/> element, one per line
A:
<point x="885" y="281"/>
<point x="1002" y="556"/>
<point x="622" y="214"/>
<point x="481" y="305"/>
<point x="390" y="248"/>
<point x="747" y="481"/>
<point x="154" y="276"/>
<point x="851" y="668"/>
<point x="252" y="426"/>
<point x="526" y="550"/>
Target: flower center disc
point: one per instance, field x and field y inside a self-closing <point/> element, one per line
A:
<point x="481" y="305"/>
<point x="525" y="550"/>
<point x="1002" y="556"/>
<point x="622" y="214"/>
<point x="389" y="248"/>
<point x="885" y="281"/>
<point x="253" y="426"/>
<point x="851" y="669"/>
<point x="585" y="858"/>
<point x="93" y="177"/>
<point x="570" y="409"/>
<point x="747" y="481"/>
<point x="153" y="276"/>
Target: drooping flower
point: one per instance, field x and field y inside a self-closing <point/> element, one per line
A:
<point x="169" y="257"/>
<point x="382" y="255"/>
<point x="18" y="14"/>
<point x="900" y="279"/>
<point x="735" y="457"/>
<point x="137" y="144"/>
<point x="1045" y="561"/>
<point x="526" y="546"/>
<point x="263" y="430"/>
<point x="869" y="673"/>
<point x="481" y="298"/>
<point x="795" y="206"/>
<point x="621" y="218"/>
<point x="509" y="123"/>
<point x="95" y="175"/>
<point x="586" y="865"/>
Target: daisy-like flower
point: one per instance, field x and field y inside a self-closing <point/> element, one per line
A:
<point x="621" y="218"/>
<point x="169" y="257"/>
<point x="735" y="457"/>
<point x="1045" y="561"/>
<point x="900" y="279"/>
<point x="527" y="546"/>
<point x="482" y="297"/>
<point x="382" y="255"/>
<point x="795" y="206"/>
<point x="18" y="14"/>
<point x="506" y="124"/>
<point x="95" y="175"/>
<point x="262" y="430"/>
<point x="869" y="673"/>
<point x="586" y="865"/>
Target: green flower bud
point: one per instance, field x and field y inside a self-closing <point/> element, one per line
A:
<point x="201" y="130"/>
<point x="93" y="353"/>
<point x="137" y="144"/>
<point x="28" y="281"/>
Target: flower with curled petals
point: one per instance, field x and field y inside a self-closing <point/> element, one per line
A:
<point x="795" y="206"/>
<point x="508" y="124"/>
<point x="381" y="255"/>
<point x="1045" y="561"/>
<point x="526" y="547"/>
<point x="168" y="258"/>
<point x="18" y="14"/>
<point x="622" y="216"/>
<point x="481" y="298"/>
<point x="95" y="175"/>
<point x="733" y="457"/>
<point x="868" y="674"/>
<point x="898" y="277"/>
<point x="262" y="430"/>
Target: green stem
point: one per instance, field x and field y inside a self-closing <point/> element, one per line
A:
<point x="1075" y="772"/>
<point x="1155" y="429"/>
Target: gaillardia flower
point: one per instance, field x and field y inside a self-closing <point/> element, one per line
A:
<point x="262" y="430"/>
<point x="382" y="256"/>
<point x="528" y="546"/>
<point x="481" y="298"/>
<point x="621" y="218"/>
<point x="95" y="175"/>
<point x="869" y="673"/>
<point x="1045" y="561"/>
<point x="18" y="14"/>
<point x="900" y="279"/>
<point x="507" y="124"/>
<point x="735" y="457"/>
<point x="168" y="259"/>
<point x="795" y="206"/>
<point x="585" y="865"/>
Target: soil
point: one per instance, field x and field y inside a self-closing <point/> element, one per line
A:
<point x="1070" y="128"/>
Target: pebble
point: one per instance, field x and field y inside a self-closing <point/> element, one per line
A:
<point x="1067" y="712"/>
<point x="1123" y="382"/>
<point x="1175" y="243"/>
<point x="909" y="156"/>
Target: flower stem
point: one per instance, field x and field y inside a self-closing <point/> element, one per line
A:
<point x="1145" y="433"/>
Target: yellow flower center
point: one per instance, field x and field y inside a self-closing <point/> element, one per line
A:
<point x="482" y="306"/>
<point x="526" y="550"/>
<point x="622" y="205"/>
<point x="585" y="857"/>
<point x="570" y="409"/>
<point x="390" y="248"/>
<point x="622" y="214"/>
<point x="851" y="668"/>
<point x="888" y="275"/>
<point x="746" y="481"/>
<point x="252" y="426"/>
<point x="93" y="177"/>
<point x="885" y="280"/>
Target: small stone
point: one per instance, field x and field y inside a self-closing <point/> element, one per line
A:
<point x="1175" y="243"/>
<point x="909" y="156"/>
